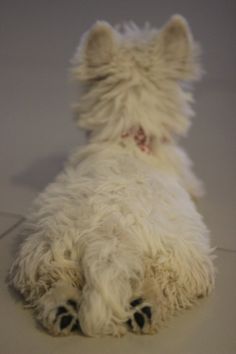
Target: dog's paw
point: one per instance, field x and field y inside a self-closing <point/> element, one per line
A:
<point x="141" y="320"/>
<point x="66" y="318"/>
<point x="62" y="319"/>
<point x="58" y="310"/>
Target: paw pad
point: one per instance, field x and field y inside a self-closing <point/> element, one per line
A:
<point x="66" y="319"/>
<point x="141" y="317"/>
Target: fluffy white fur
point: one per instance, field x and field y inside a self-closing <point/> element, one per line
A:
<point x="118" y="223"/>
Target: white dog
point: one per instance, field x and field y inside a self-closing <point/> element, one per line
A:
<point x="115" y="243"/>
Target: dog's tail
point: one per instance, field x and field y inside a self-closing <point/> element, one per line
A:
<point x="111" y="272"/>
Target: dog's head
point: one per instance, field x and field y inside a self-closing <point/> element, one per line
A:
<point x="133" y="78"/>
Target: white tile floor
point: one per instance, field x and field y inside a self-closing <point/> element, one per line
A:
<point x="37" y="132"/>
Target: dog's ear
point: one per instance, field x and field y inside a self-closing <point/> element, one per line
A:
<point x="100" y="44"/>
<point x="178" y="50"/>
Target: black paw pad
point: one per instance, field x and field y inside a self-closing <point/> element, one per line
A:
<point x="60" y="310"/>
<point x="129" y="323"/>
<point x="136" y="302"/>
<point x="76" y="326"/>
<point x="147" y="311"/>
<point x="139" y="319"/>
<point x="65" y="321"/>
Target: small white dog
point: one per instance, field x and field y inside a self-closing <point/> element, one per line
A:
<point x="116" y="244"/>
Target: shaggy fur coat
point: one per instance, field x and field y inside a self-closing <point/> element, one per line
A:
<point x="115" y="243"/>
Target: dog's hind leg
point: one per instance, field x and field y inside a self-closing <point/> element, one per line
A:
<point x="170" y="286"/>
<point x="55" y="300"/>
<point x="49" y="278"/>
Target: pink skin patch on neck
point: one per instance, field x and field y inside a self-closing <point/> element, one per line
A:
<point x="140" y="138"/>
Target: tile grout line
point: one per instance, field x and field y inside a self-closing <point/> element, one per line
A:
<point x="13" y="227"/>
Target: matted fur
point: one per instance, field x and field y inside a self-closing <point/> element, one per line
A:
<point x="119" y="223"/>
